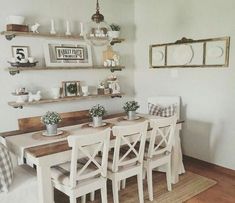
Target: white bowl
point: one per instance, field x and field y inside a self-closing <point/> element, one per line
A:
<point x="18" y="20"/>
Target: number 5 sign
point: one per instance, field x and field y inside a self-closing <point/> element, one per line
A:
<point x="20" y="52"/>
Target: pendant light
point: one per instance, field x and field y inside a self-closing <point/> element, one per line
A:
<point x="96" y="31"/>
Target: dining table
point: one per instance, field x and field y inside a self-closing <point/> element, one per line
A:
<point x="45" y="152"/>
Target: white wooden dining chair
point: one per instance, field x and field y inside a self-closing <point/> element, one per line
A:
<point x="77" y="179"/>
<point x="129" y="163"/>
<point x="24" y="186"/>
<point x="160" y="154"/>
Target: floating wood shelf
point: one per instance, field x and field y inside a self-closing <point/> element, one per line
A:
<point x="16" y="70"/>
<point x="47" y="101"/>
<point x="12" y="34"/>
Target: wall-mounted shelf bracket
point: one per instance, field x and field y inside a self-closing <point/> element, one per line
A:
<point x="10" y="37"/>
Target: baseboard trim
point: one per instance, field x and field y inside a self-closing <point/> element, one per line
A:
<point x="220" y="169"/>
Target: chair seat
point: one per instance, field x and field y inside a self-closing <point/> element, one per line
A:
<point x="61" y="173"/>
<point x="24" y="187"/>
<point x="110" y="161"/>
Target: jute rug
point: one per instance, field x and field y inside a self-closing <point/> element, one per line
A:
<point x="190" y="184"/>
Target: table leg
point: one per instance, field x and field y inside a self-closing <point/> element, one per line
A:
<point x="45" y="188"/>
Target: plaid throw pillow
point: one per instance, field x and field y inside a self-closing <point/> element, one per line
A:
<point x="154" y="109"/>
<point x="168" y="111"/>
<point x="157" y="110"/>
<point x="6" y="169"/>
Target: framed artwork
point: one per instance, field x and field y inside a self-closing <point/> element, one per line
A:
<point x="189" y="53"/>
<point x="71" y="88"/>
<point x="20" y="52"/>
<point x="67" y="54"/>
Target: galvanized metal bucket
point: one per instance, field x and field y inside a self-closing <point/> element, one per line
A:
<point x="51" y="130"/>
<point x="131" y="115"/>
<point x="97" y="121"/>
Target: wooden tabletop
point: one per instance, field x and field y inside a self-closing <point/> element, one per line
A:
<point x="61" y="146"/>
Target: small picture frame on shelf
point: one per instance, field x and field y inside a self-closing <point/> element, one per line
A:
<point x="20" y="53"/>
<point x="67" y="54"/>
<point x="71" y="88"/>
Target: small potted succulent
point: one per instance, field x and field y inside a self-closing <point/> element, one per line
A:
<point x="51" y="120"/>
<point x="130" y="108"/>
<point x="115" y="33"/>
<point x="97" y="112"/>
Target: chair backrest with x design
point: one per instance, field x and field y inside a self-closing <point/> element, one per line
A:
<point x="89" y="146"/>
<point x="133" y="138"/>
<point x="162" y="135"/>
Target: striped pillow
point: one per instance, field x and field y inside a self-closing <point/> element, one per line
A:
<point x="158" y="110"/>
<point x="6" y="169"/>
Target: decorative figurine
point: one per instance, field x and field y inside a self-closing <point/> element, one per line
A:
<point x="116" y="59"/>
<point x="35" y="97"/>
<point x="110" y="57"/>
<point x="35" y="27"/>
<point x="113" y="84"/>
<point x="53" y="31"/>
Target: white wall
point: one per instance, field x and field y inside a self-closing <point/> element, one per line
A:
<point x="208" y="95"/>
<point x="60" y="10"/>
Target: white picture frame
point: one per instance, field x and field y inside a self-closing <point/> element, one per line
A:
<point x="67" y="54"/>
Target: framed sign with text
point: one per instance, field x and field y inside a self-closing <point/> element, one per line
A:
<point x="67" y="54"/>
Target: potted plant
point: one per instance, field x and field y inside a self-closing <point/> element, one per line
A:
<point x="97" y="112"/>
<point x="115" y="33"/>
<point x="130" y="108"/>
<point x="51" y="120"/>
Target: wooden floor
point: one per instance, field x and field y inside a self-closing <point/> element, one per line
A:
<point x="222" y="192"/>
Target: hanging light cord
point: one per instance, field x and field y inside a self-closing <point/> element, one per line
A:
<point x="97" y="6"/>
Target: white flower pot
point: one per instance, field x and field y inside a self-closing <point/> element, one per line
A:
<point x="97" y="121"/>
<point x="114" y="34"/>
<point x="51" y="129"/>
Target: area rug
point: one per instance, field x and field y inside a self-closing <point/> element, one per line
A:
<point x="190" y="185"/>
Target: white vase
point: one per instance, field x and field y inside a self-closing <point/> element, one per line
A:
<point x="55" y="92"/>
<point x="84" y="90"/>
<point x="97" y="121"/>
<point x="51" y="130"/>
<point x="114" y="34"/>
